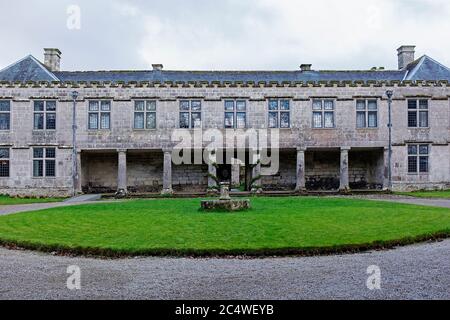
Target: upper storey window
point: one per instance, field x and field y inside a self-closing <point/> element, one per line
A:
<point x="5" y="117"/>
<point x="279" y="113"/>
<point x="235" y="114"/>
<point x="145" y="114"/>
<point x="190" y="114"/>
<point x="366" y="114"/>
<point x="323" y="113"/>
<point x="44" y="115"/>
<point x="417" y="113"/>
<point x="99" y="114"/>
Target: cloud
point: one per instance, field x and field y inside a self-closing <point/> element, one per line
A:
<point x="227" y="34"/>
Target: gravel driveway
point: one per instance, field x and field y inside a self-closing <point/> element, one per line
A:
<point x="413" y="272"/>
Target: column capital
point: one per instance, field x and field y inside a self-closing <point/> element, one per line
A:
<point x="122" y="150"/>
<point x="301" y="149"/>
<point x="167" y="150"/>
<point x="344" y="149"/>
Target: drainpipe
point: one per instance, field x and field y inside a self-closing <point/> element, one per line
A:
<point x="74" y="144"/>
<point x="389" y="94"/>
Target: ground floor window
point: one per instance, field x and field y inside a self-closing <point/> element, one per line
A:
<point x="44" y="164"/>
<point x="4" y="162"/>
<point x="418" y="158"/>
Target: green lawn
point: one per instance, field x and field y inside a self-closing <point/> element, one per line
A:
<point x="7" y="200"/>
<point x="444" y="194"/>
<point x="176" y="226"/>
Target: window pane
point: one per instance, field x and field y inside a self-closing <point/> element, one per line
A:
<point x="105" y="121"/>
<point x="38" y="121"/>
<point x="284" y="120"/>
<point x="329" y="120"/>
<point x="423" y="149"/>
<point x="412" y="119"/>
<point x="38" y="152"/>
<point x="50" y="153"/>
<point x="317" y="105"/>
<point x="5" y="106"/>
<point x="106" y="106"/>
<point x="51" y="105"/>
<point x="284" y="105"/>
<point x="412" y="104"/>
<point x="38" y="168"/>
<point x="151" y="120"/>
<point x="361" y="119"/>
<point x="373" y="119"/>
<point x="51" y="121"/>
<point x="139" y="120"/>
<point x="423" y="119"/>
<point x="412" y="149"/>
<point x="229" y="120"/>
<point x="328" y="105"/>
<point x="229" y="105"/>
<point x="184" y="105"/>
<point x="372" y="105"/>
<point x="39" y="106"/>
<point x="93" y="105"/>
<point x="241" y="105"/>
<point x="273" y="104"/>
<point x="4" y="168"/>
<point x="423" y="164"/>
<point x="241" y="120"/>
<point x="317" y="119"/>
<point x="50" y="168"/>
<point x="361" y="105"/>
<point x="412" y="164"/>
<point x="93" y="121"/>
<point x="4" y="153"/>
<point x="273" y="119"/>
<point x="196" y="119"/>
<point x="151" y="105"/>
<point x="196" y="106"/>
<point x="423" y="104"/>
<point x="184" y="120"/>
<point x="4" y="121"/>
<point x="139" y="106"/>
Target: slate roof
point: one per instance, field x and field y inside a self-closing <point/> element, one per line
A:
<point x="30" y="69"/>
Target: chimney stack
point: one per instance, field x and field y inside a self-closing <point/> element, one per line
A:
<point x="157" y="67"/>
<point x="305" y="67"/>
<point x="52" y="58"/>
<point x="405" y="56"/>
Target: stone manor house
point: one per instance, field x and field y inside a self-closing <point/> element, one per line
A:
<point x="333" y="127"/>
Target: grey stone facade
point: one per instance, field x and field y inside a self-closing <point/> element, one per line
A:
<point x="123" y="158"/>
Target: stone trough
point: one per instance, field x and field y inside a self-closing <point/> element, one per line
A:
<point x="225" y="202"/>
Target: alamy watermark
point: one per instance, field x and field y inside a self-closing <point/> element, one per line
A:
<point x="374" y="280"/>
<point x="74" y="280"/>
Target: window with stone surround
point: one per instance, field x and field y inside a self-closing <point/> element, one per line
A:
<point x="418" y="158"/>
<point x="44" y="115"/>
<point x="4" y="162"/>
<point x="235" y="114"/>
<point x="44" y="162"/>
<point x="5" y="114"/>
<point x="366" y="114"/>
<point x="323" y="113"/>
<point x="279" y="113"/>
<point x="190" y="114"/>
<point x="417" y="113"/>
<point x="145" y="114"/>
<point x="99" y="114"/>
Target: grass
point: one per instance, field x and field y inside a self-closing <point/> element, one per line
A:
<point x="290" y="225"/>
<point x="441" y="194"/>
<point x="7" y="200"/>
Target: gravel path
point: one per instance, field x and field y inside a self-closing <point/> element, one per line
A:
<point x="413" y="272"/>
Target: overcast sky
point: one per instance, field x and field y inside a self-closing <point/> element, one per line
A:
<point x="225" y="34"/>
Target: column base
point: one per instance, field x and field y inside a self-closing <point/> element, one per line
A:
<point x="167" y="192"/>
<point x="256" y="190"/>
<point x="344" y="190"/>
<point x="121" y="193"/>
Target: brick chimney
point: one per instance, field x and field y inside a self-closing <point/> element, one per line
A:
<point x="52" y="58"/>
<point x="305" y="67"/>
<point x="157" y="67"/>
<point x="405" y="56"/>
